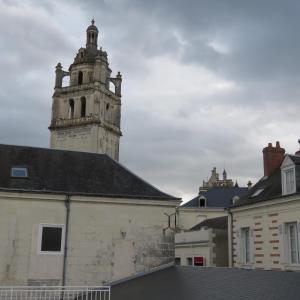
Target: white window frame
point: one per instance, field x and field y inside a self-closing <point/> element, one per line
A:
<point x="39" y="243"/>
<point x="288" y="242"/>
<point x="19" y="169"/>
<point x="243" y="249"/>
<point x="284" y="173"/>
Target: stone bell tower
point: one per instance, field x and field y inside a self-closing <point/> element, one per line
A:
<point x="86" y="114"/>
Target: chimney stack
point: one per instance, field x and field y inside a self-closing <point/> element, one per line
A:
<point x="273" y="157"/>
<point x="298" y="152"/>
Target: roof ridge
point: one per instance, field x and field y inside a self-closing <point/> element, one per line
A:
<point x="140" y="178"/>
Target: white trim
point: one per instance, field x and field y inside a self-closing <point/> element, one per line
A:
<point x="284" y="172"/>
<point x="13" y="168"/>
<point x="40" y="196"/>
<point x="39" y="240"/>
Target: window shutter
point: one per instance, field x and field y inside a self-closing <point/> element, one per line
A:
<point x="282" y="243"/>
<point x="299" y="237"/>
<point x="238" y="246"/>
<point x="252" y="249"/>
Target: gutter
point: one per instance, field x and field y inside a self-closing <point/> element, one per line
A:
<point x="67" y="205"/>
<point x="230" y="252"/>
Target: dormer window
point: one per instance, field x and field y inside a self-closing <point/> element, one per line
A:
<point x="288" y="180"/>
<point x="202" y="201"/>
<point x="19" y="172"/>
<point x="288" y="176"/>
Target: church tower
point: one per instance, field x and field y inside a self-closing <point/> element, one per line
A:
<point x="86" y="114"/>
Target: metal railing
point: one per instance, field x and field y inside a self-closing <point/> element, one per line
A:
<point x="54" y="293"/>
<point x="74" y="121"/>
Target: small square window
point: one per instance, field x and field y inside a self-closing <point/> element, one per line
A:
<point x="51" y="239"/>
<point x="189" y="261"/>
<point x="20" y="172"/>
<point x="177" y="261"/>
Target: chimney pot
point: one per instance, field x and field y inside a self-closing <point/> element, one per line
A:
<point x="273" y="157"/>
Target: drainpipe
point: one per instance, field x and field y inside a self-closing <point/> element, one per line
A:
<point x="67" y="205"/>
<point x="230" y="244"/>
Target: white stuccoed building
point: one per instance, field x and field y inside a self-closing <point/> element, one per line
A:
<point x="72" y="214"/>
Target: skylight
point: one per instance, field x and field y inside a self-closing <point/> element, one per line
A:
<point x="19" y="172"/>
<point x="258" y="192"/>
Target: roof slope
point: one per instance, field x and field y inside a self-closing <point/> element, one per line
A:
<point x="72" y="172"/>
<point x="218" y="197"/>
<point x="215" y="223"/>
<point x="269" y="187"/>
<point x="191" y="283"/>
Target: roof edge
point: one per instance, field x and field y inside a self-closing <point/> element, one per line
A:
<point x="141" y="274"/>
<point x="157" y="198"/>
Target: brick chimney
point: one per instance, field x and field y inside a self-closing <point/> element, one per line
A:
<point x="273" y="157"/>
<point x="298" y="152"/>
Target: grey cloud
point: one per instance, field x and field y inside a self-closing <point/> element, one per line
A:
<point x="163" y="147"/>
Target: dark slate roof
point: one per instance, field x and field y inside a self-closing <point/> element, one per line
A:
<point x="193" y="283"/>
<point x="215" y="223"/>
<point x="270" y="186"/>
<point x="62" y="171"/>
<point x="295" y="158"/>
<point x="218" y="197"/>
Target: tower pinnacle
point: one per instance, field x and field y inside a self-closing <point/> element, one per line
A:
<point x="92" y="35"/>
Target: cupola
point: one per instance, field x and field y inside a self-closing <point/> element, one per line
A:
<point x="92" y="35"/>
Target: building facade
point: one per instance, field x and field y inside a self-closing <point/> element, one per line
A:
<point x="206" y="244"/>
<point x="83" y="223"/>
<point x="200" y="233"/>
<point x="86" y="114"/>
<point x="264" y="226"/>
<point x="72" y="214"/>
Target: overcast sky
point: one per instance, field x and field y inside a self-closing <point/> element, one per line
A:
<point x="205" y="83"/>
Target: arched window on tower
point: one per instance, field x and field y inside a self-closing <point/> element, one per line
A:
<point x="80" y="77"/>
<point x="83" y="107"/>
<point x="71" y="109"/>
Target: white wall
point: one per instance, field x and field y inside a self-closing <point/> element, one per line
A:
<point x="108" y="238"/>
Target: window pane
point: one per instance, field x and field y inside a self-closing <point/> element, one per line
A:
<point x="246" y="244"/>
<point x="19" y="172"/>
<point x="289" y="181"/>
<point x="51" y="239"/>
<point x="293" y="242"/>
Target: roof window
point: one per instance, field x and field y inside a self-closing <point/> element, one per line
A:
<point x="19" y="172"/>
<point x="256" y="193"/>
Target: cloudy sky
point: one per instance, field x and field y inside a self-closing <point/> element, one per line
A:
<point x="205" y="83"/>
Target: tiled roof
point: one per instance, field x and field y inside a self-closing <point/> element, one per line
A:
<point x="72" y="172"/>
<point x="193" y="283"/>
<point x="218" y="197"/>
<point x="215" y="223"/>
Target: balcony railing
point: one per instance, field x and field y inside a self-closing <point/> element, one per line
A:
<point x="54" y="293"/>
<point x="74" y="121"/>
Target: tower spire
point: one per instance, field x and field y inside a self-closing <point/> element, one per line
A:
<point x="92" y="35"/>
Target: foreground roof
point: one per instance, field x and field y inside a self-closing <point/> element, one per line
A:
<point x="72" y="172"/>
<point x="269" y="187"/>
<point x="192" y="283"/>
<point x="214" y="223"/>
<point x="218" y="196"/>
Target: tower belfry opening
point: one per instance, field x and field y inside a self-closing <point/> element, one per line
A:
<point x="80" y="120"/>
